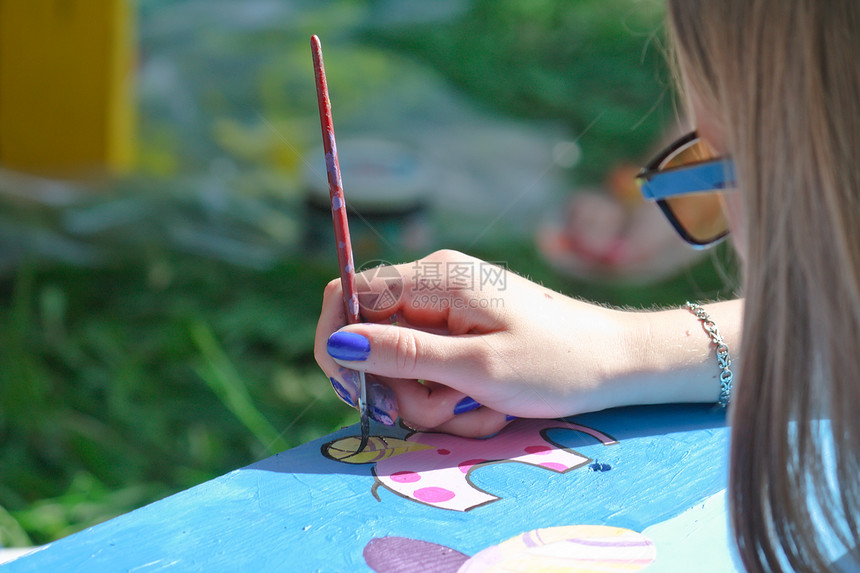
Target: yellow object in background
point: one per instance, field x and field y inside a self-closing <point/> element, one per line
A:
<point x="66" y="86"/>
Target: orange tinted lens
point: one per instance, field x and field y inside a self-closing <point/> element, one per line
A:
<point x="701" y="215"/>
<point x="693" y="152"/>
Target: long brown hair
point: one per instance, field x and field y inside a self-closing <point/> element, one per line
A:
<point x="782" y="79"/>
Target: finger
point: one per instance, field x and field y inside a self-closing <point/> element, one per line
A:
<point x="382" y="403"/>
<point x="332" y="317"/>
<point x="343" y="380"/>
<point x="480" y="423"/>
<point x="381" y="400"/>
<point x="345" y="385"/>
<point x="446" y="289"/>
<point x="425" y="405"/>
<point x="398" y="352"/>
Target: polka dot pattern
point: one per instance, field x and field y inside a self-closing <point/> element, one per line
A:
<point x="539" y="450"/>
<point x="405" y="477"/>
<point x="434" y="494"/>
<point x="554" y="466"/>
<point x="467" y="465"/>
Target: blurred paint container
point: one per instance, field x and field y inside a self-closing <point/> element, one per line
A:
<point x="386" y="186"/>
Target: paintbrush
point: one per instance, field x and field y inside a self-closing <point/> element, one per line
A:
<point x="341" y="225"/>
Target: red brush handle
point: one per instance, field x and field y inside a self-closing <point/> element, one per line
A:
<point x="335" y="186"/>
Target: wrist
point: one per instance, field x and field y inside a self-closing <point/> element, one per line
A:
<point x="657" y="357"/>
<point x="721" y="349"/>
<point x="678" y="360"/>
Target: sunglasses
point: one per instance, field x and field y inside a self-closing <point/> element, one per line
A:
<point x="687" y="180"/>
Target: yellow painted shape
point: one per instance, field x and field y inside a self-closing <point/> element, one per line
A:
<point x="66" y="85"/>
<point x="378" y="448"/>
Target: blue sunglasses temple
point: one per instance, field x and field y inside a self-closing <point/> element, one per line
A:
<point x="708" y="176"/>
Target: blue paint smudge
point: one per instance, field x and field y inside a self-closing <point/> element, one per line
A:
<point x="598" y="467"/>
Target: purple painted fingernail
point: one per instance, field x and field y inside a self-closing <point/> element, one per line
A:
<point x="382" y="405"/>
<point x="466" y="405"/>
<point x="348" y="346"/>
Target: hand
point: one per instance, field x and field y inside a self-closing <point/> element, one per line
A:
<point x="465" y="346"/>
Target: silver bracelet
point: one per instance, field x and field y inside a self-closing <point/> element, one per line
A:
<point x="723" y="360"/>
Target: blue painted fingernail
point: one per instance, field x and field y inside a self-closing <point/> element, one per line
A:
<point x="508" y="418"/>
<point x="348" y="346"/>
<point x="382" y="405"/>
<point x="466" y="405"/>
<point x="341" y="392"/>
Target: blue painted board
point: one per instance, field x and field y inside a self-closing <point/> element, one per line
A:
<point x="664" y="479"/>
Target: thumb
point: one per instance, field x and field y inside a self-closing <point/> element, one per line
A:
<point x="401" y="352"/>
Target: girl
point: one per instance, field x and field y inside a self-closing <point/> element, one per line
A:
<point x="773" y="87"/>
